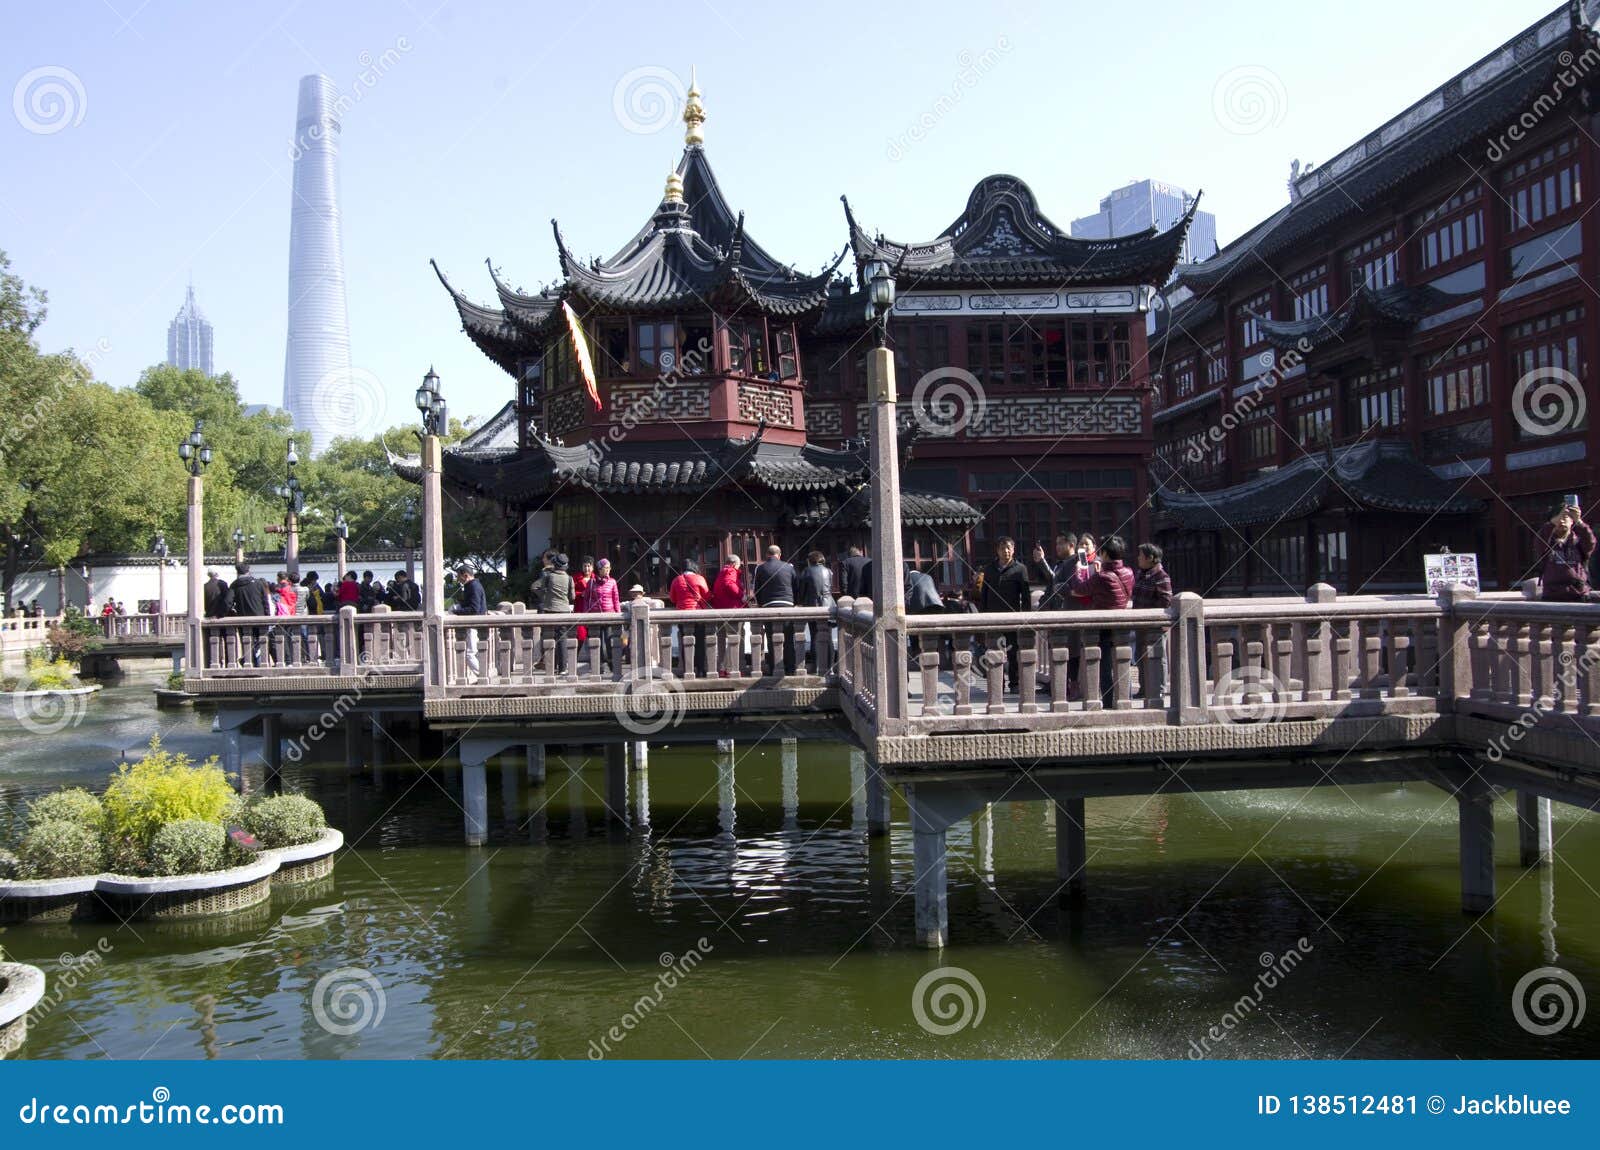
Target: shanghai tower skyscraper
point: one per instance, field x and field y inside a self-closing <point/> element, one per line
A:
<point x="317" y="383"/>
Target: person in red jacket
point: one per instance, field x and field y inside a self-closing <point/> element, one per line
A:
<point x="729" y="593"/>
<point x="689" y="592"/>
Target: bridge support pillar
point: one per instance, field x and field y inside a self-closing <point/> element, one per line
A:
<point x="535" y="763"/>
<point x="724" y="746"/>
<point x="933" y="808"/>
<point x="272" y="752"/>
<point x="1535" y="838"/>
<point x="790" y="754"/>
<point x="353" y="757"/>
<point x="475" y="801"/>
<point x="233" y="757"/>
<point x="1072" y="853"/>
<point x="727" y="813"/>
<point x="858" y="789"/>
<point x="617" y="782"/>
<point x="1475" y="801"/>
<point x="877" y="801"/>
<point x="380" y="738"/>
<point x="177" y="660"/>
<point x="639" y="753"/>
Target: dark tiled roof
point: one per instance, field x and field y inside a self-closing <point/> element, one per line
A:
<point x="1396" y="304"/>
<point x="1379" y="474"/>
<point x="853" y="508"/>
<point x="1184" y="320"/>
<point x="493" y="331"/>
<point x="1454" y="119"/>
<point x="1003" y="238"/>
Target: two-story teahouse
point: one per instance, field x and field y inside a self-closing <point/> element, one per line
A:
<point x="692" y="396"/>
<point x="1397" y="360"/>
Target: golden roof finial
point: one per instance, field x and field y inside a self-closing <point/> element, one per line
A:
<point x="674" y="193"/>
<point x="694" y="115"/>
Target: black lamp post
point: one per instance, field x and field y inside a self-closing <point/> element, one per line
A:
<point x="196" y="455"/>
<point x="431" y="405"/>
<point x="194" y="450"/>
<point x="880" y="298"/>
<point x="294" y="502"/>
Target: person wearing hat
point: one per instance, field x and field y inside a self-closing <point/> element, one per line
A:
<point x="552" y="595"/>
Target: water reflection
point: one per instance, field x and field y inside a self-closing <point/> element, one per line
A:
<point x="534" y="943"/>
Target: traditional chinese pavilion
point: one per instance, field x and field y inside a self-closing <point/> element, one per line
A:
<point x="691" y="395"/>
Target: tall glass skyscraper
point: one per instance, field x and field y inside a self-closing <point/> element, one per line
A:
<point x="189" y="337"/>
<point x="317" y="385"/>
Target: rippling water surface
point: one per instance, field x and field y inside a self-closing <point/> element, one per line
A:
<point x="564" y="927"/>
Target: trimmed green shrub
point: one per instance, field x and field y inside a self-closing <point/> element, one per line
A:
<point x="61" y="849"/>
<point x="48" y="672"/>
<point x="285" y="820"/>
<point x="163" y="788"/>
<point x="73" y="805"/>
<point x="188" y="846"/>
<point x="124" y="856"/>
<point x="9" y="864"/>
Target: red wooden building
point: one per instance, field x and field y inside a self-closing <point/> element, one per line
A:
<point x="730" y="407"/>
<point x="1399" y="358"/>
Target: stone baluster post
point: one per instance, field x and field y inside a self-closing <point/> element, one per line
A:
<point x="889" y="688"/>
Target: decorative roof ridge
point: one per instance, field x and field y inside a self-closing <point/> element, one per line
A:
<point x="465" y="306"/>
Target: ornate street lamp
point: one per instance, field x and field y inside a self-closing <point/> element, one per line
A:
<point x="880" y="297"/>
<point x="194" y="450"/>
<point x="431" y="404"/>
<point x="294" y="502"/>
<point x="341" y="533"/>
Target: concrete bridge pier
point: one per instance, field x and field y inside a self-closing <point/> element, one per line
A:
<point x="177" y="660"/>
<point x="577" y="801"/>
<point x="727" y="813"/>
<point x="858" y="789"/>
<point x="640" y="753"/>
<point x="1535" y="835"/>
<point x="475" y="755"/>
<point x="1072" y="851"/>
<point x="877" y="787"/>
<point x="790" y="754"/>
<point x="1475" y="803"/>
<point x="272" y="753"/>
<point x="510" y="800"/>
<point x="724" y="746"/>
<point x="933" y="807"/>
<point x="380" y="739"/>
<point x="617" y="782"/>
<point x="536" y="765"/>
<point x="354" y="758"/>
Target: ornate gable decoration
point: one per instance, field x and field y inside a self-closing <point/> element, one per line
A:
<point x="1003" y="240"/>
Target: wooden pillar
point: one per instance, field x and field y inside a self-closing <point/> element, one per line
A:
<point x="1535" y="837"/>
<point x="1072" y="851"/>
<point x="1475" y="801"/>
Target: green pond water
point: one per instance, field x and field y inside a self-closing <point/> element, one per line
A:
<point x="563" y="930"/>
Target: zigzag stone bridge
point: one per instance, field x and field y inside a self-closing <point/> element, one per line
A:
<point x="1478" y="695"/>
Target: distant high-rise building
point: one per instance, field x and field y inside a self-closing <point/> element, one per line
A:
<point x="317" y="385"/>
<point x="1149" y="204"/>
<point x="189" y="337"/>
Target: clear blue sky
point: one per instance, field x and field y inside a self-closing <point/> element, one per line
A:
<point x="494" y="117"/>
